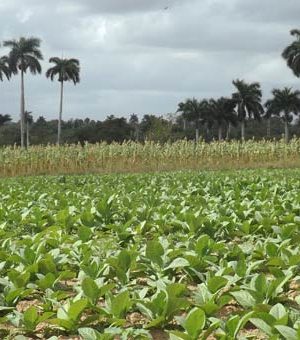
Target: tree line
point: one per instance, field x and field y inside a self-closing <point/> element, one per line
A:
<point x="213" y="118"/>
<point x="119" y="129"/>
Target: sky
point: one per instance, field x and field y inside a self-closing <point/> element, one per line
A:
<point x="145" y="56"/>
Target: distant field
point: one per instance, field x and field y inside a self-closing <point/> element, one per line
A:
<point x="183" y="255"/>
<point x="148" y="157"/>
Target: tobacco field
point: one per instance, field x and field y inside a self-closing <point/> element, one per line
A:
<point x="182" y="255"/>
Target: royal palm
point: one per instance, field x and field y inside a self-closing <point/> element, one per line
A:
<point x="24" y="55"/>
<point x="65" y="70"/>
<point x="194" y="111"/>
<point x="284" y="103"/>
<point x="248" y="102"/>
<point x="292" y="53"/>
<point x="222" y="113"/>
<point x="4" y="68"/>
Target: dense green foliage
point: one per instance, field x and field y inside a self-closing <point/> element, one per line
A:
<point x="150" y="127"/>
<point x="191" y="254"/>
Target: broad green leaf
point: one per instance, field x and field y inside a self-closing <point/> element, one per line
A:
<point x="244" y="298"/>
<point x="287" y="332"/>
<point x="216" y="282"/>
<point x="279" y="313"/>
<point x="90" y="334"/>
<point x="84" y="233"/>
<point x="194" y="322"/>
<point x="178" y="263"/>
<point x="154" y="252"/>
<point x="47" y="281"/>
<point x="76" y="309"/>
<point x="262" y="325"/>
<point x="176" y="335"/>
<point x="120" y="304"/>
<point x="90" y="289"/>
<point x="30" y="318"/>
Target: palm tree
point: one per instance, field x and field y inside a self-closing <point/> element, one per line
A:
<point x="24" y="54"/>
<point x="66" y="70"/>
<point x="292" y="53"/>
<point x="4" y="68"/>
<point x="194" y="111"/>
<point x="248" y="102"/>
<point x="4" y="119"/>
<point x="28" y="121"/>
<point x="223" y="113"/>
<point x="284" y="103"/>
<point x="134" y="124"/>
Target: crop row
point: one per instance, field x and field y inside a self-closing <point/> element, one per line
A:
<point x="179" y="255"/>
<point x="149" y="156"/>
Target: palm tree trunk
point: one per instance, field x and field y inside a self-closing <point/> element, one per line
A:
<point x="184" y="124"/>
<point x="228" y="131"/>
<point x="60" y="112"/>
<point x="220" y="132"/>
<point x="27" y="134"/>
<point x="22" y="113"/>
<point x="286" y="131"/>
<point x="269" y="127"/>
<point x="243" y="130"/>
<point x="197" y="135"/>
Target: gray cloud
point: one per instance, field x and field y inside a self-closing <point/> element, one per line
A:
<point x="138" y="57"/>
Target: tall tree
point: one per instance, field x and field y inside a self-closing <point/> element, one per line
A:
<point x="4" y="68"/>
<point x="292" y="53"/>
<point x="65" y="70"/>
<point x="248" y="102"/>
<point x="4" y="119"/>
<point x="223" y="113"/>
<point x="194" y="111"/>
<point x="134" y="123"/>
<point x="284" y="103"/>
<point x="24" y="55"/>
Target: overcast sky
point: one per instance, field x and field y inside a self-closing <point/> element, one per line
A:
<point x="145" y="56"/>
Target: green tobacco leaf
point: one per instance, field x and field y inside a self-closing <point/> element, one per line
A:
<point x="280" y="314"/>
<point x="261" y="284"/>
<point x="241" y="268"/>
<point x="194" y="323"/>
<point x="84" y="233"/>
<point x="154" y="252"/>
<point x="91" y="334"/>
<point x="18" y="279"/>
<point x="76" y="309"/>
<point x="178" y="263"/>
<point x="262" y="325"/>
<point x="176" y="289"/>
<point x="31" y="318"/>
<point x="231" y="325"/>
<point x="90" y="289"/>
<point x="157" y="322"/>
<point x="66" y="324"/>
<point x="287" y="332"/>
<point x="216" y="282"/>
<point x="47" y="265"/>
<point x="202" y="244"/>
<point x="244" y="298"/>
<point x="124" y="260"/>
<point x="47" y="281"/>
<point x="120" y="304"/>
<point x="176" y="335"/>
